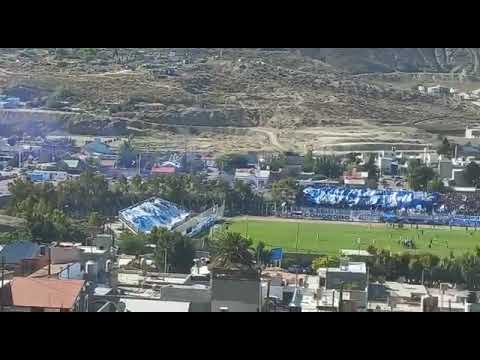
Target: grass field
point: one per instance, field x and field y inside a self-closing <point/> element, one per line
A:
<point x="329" y="238"/>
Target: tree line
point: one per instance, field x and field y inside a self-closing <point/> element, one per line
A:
<point x="417" y="268"/>
<point x="56" y="212"/>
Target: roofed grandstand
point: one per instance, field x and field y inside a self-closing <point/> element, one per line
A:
<point x="361" y="204"/>
<point x="160" y="213"/>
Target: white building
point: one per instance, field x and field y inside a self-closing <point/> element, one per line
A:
<point x="438" y="90"/>
<point x="473" y="133"/>
<point x="259" y="178"/>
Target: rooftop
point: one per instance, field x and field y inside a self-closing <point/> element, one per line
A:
<point x="405" y="290"/>
<point x="19" y="250"/>
<point x="144" y="305"/>
<point x="91" y="250"/>
<point x="352" y="267"/>
<point x="72" y="164"/>
<point x="44" y="293"/>
<point x="55" y="269"/>
<point x="349" y="252"/>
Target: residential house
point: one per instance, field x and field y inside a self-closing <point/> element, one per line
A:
<point x="163" y="170"/>
<point x="14" y="253"/>
<point x="97" y="148"/>
<point x="72" y="166"/>
<point x="354" y="177"/>
<point x="44" y="295"/>
<point x="438" y="90"/>
<point x="258" y="178"/>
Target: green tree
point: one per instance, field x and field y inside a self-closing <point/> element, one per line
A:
<point x="328" y="166"/>
<point x="325" y="262"/>
<point x="372" y="169"/>
<point x="285" y="190"/>
<point x="61" y="94"/>
<point x="436" y="185"/>
<point x="472" y="174"/>
<point x="230" y="162"/>
<point x="278" y="162"/>
<point x="232" y="250"/>
<point x="127" y="154"/>
<point x="178" y="248"/>
<point x="131" y="244"/>
<point x="308" y="161"/>
<point x="419" y="177"/>
<point x="262" y="253"/>
<point x="445" y="148"/>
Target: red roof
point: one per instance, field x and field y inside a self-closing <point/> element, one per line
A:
<point x="163" y="170"/>
<point x="45" y="293"/>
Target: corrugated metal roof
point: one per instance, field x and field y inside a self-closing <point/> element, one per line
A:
<point x="19" y="250"/>
<point x="45" y="293"/>
<point x="72" y="163"/>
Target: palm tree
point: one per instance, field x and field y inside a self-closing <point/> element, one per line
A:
<point x="232" y="251"/>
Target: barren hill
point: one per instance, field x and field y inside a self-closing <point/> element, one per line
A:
<point x="281" y="98"/>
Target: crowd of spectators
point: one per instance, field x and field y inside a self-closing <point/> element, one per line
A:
<point x="461" y="203"/>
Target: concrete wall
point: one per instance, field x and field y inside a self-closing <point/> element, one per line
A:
<point x="104" y="241"/>
<point x="234" y="306"/>
<point x="238" y="295"/>
<point x="199" y="299"/>
<point x="445" y="169"/>
<point x="334" y="279"/>
<point x="63" y="255"/>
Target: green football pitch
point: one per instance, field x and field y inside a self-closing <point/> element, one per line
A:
<point x="329" y="238"/>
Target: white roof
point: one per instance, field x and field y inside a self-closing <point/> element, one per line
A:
<point x="405" y="290"/>
<point x="140" y="305"/>
<point x="353" y="267"/>
<point x="349" y="252"/>
<point x="243" y="172"/>
<point x="263" y="173"/>
<point x="92" y="250"/>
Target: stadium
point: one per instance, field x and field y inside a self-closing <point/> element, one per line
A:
<point x="391" y="206"/>
<point x="160" y="213"/>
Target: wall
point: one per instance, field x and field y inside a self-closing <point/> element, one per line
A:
<point x="238" y="295"/>
<point x="335" y="278"/>
<point x="200" y="299"/>
<point x="234" y="306"/>
<point x="29" y="266"/>
<point x="64" y="255"/>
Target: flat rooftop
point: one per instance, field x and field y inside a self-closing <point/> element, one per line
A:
<point x="91" y="250"/>
<point x="351" y="252"/>
<point x="144" y="305"/>
<point x="405" y="290"/>
<point x="351" y="267"/>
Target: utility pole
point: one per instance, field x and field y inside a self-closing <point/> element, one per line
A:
<point x="2" y="283"/>
<point x="340" y="299"/>
<point x="49" y="261"/>
<point x="268" y="296"/>
<point x="165" y="268"/>
<point x="139" y="162"/>
<point x="296" y="251"/>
